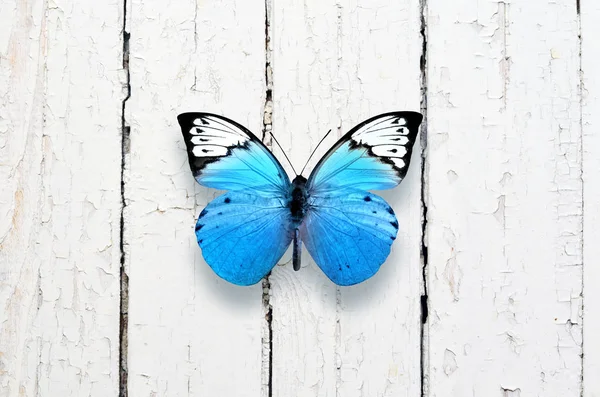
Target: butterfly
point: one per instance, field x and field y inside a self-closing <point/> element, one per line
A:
<point x="347" y="230"/>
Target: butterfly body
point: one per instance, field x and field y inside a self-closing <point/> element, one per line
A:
<point x="347" y="229"/>
<point x="298" y="201"/>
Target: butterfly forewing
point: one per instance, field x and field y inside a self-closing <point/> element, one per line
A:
<point x="373" y="155"/>
<point x="225" y="155"/>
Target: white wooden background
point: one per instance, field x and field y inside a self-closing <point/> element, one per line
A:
<point x="103" y="291"/>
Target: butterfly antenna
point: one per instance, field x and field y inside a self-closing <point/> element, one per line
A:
<point x="314" y="150"/>
<point x="283" y="151"/>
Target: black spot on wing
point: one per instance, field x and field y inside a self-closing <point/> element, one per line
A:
<point x="199" y="226"/>
<point x="390" y="210"/>
<point x="395" y="224"/>
<point x="393" y="237"/>
<point x="227" y="200"/>
<point x="367" y="198"/>
<point x="204" y="212"/>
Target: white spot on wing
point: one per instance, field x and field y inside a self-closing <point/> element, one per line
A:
<point x="212" y="137"/>
<point x="221" y="141"/>
<point x="398" y="162"/>
<point x="209" y="151"/>
<point x="389" y="150"/>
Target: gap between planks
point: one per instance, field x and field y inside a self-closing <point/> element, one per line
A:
<point x="124" y="278"/>
<point x="267" y="339"/>
<point x="424" y="247"/>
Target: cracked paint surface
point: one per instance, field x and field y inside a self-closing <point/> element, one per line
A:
<point x="512" y="107"/>
<point x="335" y="66"/>
<point x="59" y="229"/>
<point x="190" y="332"/>
<point x="505" y="200"/>
<point x="590" y="123"/>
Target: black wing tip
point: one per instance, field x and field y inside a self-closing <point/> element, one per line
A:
<point x="186" y="118"/>
<point x="413" y="119"/>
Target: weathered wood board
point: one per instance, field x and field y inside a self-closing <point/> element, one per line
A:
<point x="60" y="202"/>
<point x="504" y="199"/>
<point x="190" y="333"/>
<point x="590" y="123"/>
<point x="333" y="67"/>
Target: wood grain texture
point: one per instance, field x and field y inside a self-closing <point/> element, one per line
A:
<point x="590" y="65"/>
<point x="504" y="199"/>
<point x="190" y="333"/>
<point x="333" y="67"/>
<point x="511" y="186"/>
<point x="60" y="117"/>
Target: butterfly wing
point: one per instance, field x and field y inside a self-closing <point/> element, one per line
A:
<point x="226" y="155"/>
<point x="244" y="232"/>
<point x="347" y="230"/>
<point x="350" y="235"/>
<point x="374" y="155"/>
<point x="243" y="235"/>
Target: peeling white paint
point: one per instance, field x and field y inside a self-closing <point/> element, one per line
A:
<point x="504" y="181"/>
<point x="511" y="187"/>
<point x="333" y="67"/>
<point x="590" y="124"/>
<point x="60" y="198"/>
<point x="190" y="333"/>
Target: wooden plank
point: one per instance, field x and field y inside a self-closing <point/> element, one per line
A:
<point x="190" y="333"/>
<point x="380" y="320"/>
<point x="590" y="64"/>
<point x="332" y="68"/>
<point x="504" y="199"/>
<point x="60" y="151"/>
<point x="304" y="61"/>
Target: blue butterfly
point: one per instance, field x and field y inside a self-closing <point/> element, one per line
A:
<point x="347" y="230"/>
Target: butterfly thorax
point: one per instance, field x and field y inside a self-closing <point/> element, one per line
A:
<point x="298" y="201"/>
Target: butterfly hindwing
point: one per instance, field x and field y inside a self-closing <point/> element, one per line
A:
<point x="243" y="235"/>
<point x="349" y="236"/>
<point x="374" y="155"/>
<point x="225" y="155"/>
